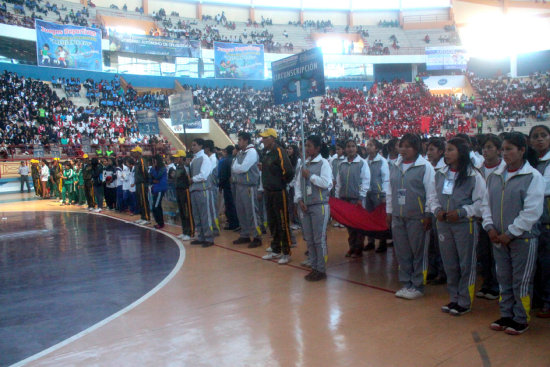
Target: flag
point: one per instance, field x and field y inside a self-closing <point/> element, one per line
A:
<point x="425" y="124"/>
<point x="354" y="216"/>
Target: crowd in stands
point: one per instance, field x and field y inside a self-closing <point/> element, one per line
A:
<point x="511" y="101"/>
<point x="32" y="113"/>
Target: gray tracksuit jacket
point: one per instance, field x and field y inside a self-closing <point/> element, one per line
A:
<point x="244" y="170"/>
<point x="513" y="202"/>
<point x="200" y="171"/>
<point x="353" y="180"/>
<point x="319" y="183"/>
<point x="544" y="168"/>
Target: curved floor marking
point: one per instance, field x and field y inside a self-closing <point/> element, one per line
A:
<point x="119" y="313"/>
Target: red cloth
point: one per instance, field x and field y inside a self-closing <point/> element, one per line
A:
<point x="425" y="124"/>
<point x="355" y="216"/>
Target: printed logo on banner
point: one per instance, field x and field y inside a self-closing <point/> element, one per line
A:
<point x="68" y="46"/>
<point x="442" y="81"/>
<point x="164" y="46"/>
<point x="147" y="122"/>
<point x="298" y="77"/>
<point x="182" y="111"/>
<point x="238" y="61"/>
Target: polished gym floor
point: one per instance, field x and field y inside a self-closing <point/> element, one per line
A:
<point x="84" y="289"/>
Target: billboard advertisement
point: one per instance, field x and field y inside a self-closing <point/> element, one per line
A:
<point x="298" y="77"/>
<point x="446" y="58"/>
<point x="147" y="122"/>
<point x="68" y="46"/>
<point x="238" y="61"/>
<point x="149" y="45"/>
<point x="182" y="111"/>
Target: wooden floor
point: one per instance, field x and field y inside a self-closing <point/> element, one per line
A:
<point x="226" y="307"/>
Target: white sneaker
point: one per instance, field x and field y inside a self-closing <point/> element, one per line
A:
<point x="401" y="292"/>
<point x="268" y="249"/>
<point x="146" y="222"/>
<point x="306" y="263"/>
<point x="90" y="209"/>
<point x="98" y="210"/>
<point x="285" y="259"/>
<point x="412" y="293"/>
<point x="184" y="237"/>
<point x="271" y="256"/>
<point x="139" y="221"/>
<point x="294" y="227"/>
<point x="335" y="224"/>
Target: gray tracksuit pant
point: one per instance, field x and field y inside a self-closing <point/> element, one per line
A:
<point x="314" y="229"/>
<point x="411" y="246"/>
<point x="543" y="264"/>
<point x="457" y="243"/>
<point x="214" y="210"/>
<point x="515" y="265"/>
<point x="200" y="203"/>
<point x="248" y="211"/>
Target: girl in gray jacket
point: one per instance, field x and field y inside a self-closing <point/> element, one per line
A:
<point x="511" y="210"/>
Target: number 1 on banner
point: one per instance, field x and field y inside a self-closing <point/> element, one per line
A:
<point x="298" y="91"/>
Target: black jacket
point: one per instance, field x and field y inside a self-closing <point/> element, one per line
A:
<point x="224" y="167"/>
<point x="277" y="171"/>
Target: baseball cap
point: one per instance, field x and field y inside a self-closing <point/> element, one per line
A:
<point x="269" y="132"/>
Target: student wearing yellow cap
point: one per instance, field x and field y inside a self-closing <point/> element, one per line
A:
<point x="35" y="173"/>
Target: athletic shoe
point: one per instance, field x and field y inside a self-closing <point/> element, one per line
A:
<point x="98" y="210"/>
<point x="294" y="227"/>
<point x="383" y="247"/>
<point x="516" y="328"/>
<point x="341" y="225"/>
<point x="306" y="263"/>
<point x="145" y="222"/>
<point x="241" y="240"/>
<point x="237" y="229"/>
<point x="501" y="324"/>
<point x="447" y="308"/>
<point x="207" y="244"/>
<point x="197" y="242"/>
<point x="357" y="254"/>
<point x="272" y="256"/>
<point x="285" y="259"/>
<point x="544" y="313"/>
<point x="336" y="224"/>
<point x="256" y="242"/>
<point x="269" y="249"/>
<point x="400" y="292"/>
<point x="139" y="221"/>
<point x="459" y="310"/>
<point x="315" y="276"/>
<point x="412" y="293"/>
<point x="369" y="246"/>
<point x="90" y="208"/>
<point x="184" y="237"/>
<point x="487" y="294"/>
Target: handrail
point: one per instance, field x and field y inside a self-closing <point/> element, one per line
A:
<point x="425" y="18"/>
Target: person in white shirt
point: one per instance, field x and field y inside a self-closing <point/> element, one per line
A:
<point x="44" y="178"/>
<point x="24" y="175"/>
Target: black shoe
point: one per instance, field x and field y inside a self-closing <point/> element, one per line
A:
<point x="237" y="229"/>
<point x="516" y="328"/>
<point x="207" y="244"/>
<point x="448" y="307"/>
<point x="459" y="310"/>
<point x="369" y="246"/>
<point x="383" y="247"/>
<point x="438" y="280"/>
<point x="255" y="243"/>
<point x="228" y="228"/>
<point x="241" y="240"/>
<point x="502" y="323"/>
<point x="197" y="242"/>
<point x="315" y="276"/>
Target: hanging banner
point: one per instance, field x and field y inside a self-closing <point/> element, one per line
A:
<point x="149" y="45"/>
<point x="148" y="123"/>
<point x="238" y="61"/>
<point x="446" y="58"/>
<point x="86" y="144"/>
<point x="68" y="46"/>
<point x="182" y="111"/>
<point x="298" y="77"/>
<point x="38" y="151"/>
<point x="56" y="151"/>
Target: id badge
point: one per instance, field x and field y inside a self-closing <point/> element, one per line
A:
<point x="401" y="194"/>
<point x="309" y="190"/>
<point x="448" y="186"/>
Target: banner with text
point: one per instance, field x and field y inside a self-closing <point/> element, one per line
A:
<point x="68" y="46"/>
<point x="149" y="45"/>
<point x="147" y="122"/>
<point x="182" y="111"/>
<point x="446" y="58"/>
<point x="238" y="61"/>
<point x="298" y="77"/>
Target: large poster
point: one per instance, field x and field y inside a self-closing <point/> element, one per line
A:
<point x="298" y="77"/>
<point x="149" y="45"/>
<point x="238" y="61"/>
<point x="446" y="58"/>
<point x="147" y="122"/>
<point x="182" y="111"/>
<point x="68" y="46"/>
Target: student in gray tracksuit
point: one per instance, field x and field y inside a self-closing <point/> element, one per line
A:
<point x="335" y="165"/>
<point x="459" y="190"/>
<point x="408" y="203"/>
<point x="246" y="175"/>
<point x="352" y="185"/>
<point x="316" y="177"/>
<point x="540" y="141"/>
<point x="209" y="152"/>
<point x="200" y="171"/>
<point x="379" y="181"/>
<point x="511" y="210"/>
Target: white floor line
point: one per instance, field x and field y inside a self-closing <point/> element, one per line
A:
<point x="119" y="313"/>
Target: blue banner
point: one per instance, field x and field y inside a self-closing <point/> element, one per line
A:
<point x="148" y="123"/>
<point x="298" y="77"/>
<point x="68" y="46"/>
<point x="238" y="61"/>
<point x="149" y="45"/>
<point x="182" y="111"/>
<point x="446" y="58"/>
